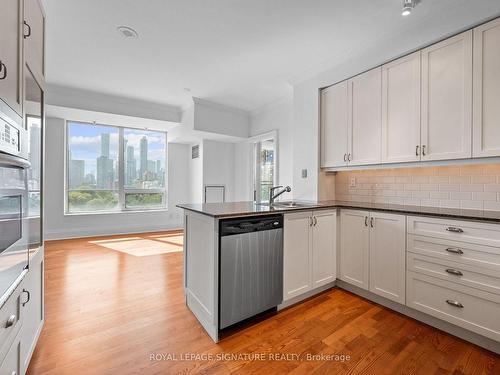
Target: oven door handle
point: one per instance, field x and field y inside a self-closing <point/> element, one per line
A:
<point x="13" y="161"/>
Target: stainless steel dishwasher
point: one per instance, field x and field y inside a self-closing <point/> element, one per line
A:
<point x="251" y="267"/>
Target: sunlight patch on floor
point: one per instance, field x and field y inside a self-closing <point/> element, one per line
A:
<point x="140" y="247"/>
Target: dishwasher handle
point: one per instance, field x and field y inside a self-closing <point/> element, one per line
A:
<point x="249" y="225"/>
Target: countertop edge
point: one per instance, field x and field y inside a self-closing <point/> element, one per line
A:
<point x="345" y="206"/>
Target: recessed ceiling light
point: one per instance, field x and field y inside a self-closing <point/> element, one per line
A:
<point x="127" y="32"/>
<point x="408" y="6"/>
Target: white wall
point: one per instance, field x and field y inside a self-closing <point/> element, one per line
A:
<point x="242" y="173"/>
<point x="195" y="179"/>
<point x="57" y="225"/>
<point x="278" y="116"/>
<point x="219" y="166"/>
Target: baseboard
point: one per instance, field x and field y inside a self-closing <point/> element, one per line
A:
<point x="452" y="329"/>
<point x="311" y="293"/>
<point x="83" y="233"/>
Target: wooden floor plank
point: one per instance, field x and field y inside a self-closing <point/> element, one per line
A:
<point x="112" y="301"/>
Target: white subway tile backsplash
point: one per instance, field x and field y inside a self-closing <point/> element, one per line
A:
<point x="471" y="186"/>
<point x="439" y="195"/>
<point x="484" y="179"/>
<point x="482" y="196"/>
<point x="460" y="195"/>
<point x="449" y="187"/>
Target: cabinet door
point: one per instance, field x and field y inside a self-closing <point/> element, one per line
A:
<point x="487" y="89"/>
<point x="10" y="54"/>
<point x="365" y="117"/>
<point x="387" y="255"/>
<point x="34" y="41"/>
<point x="11" y="364"/>
<point x="324" y="247"/>
<point x="334" y="115"/>
<point x="401" y="110"/>
<point x="354" y="247"/>
<point x="32" y="308"/>
<point x="447" y="99"/>
<point x="297" y="262"/>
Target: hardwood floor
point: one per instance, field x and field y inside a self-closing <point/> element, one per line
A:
<point x="113" y="302"/>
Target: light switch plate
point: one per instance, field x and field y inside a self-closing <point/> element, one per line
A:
<point x="304" y="173"/>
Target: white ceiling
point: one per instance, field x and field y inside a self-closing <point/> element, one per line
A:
<point x="242" y="53"/>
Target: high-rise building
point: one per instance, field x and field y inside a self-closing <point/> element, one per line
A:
<point x="105" y="173"/>
<point x="144" y="157"/>
<point x="131" y="170"/>
<point x="76" y="173"/>
<point x="158" y="167"/>
<point x="105" y="145"/>
<point x="90" y="180"/>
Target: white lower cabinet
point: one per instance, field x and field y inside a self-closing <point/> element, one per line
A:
<point x="11" y="364"/>
<point x="32" y="307"/>
<point x="387" y="255"/>
<point x="372" y="252"/>
<point x="309" y="256"/>
<point x="354" y="247"/>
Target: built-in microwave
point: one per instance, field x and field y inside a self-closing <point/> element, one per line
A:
<point x="13" y="136"/>
<point x="14" y="255"/>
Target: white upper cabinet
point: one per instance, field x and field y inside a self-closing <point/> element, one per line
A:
<point x="387" y="255"/>
<point x="365" y="118"/>
<point x="447" y="99"/>
<point x="334" y="126"/>
<point x="34" y="29"/>
<point x="401" y="110"/>
<point x="11" y="54"/>
<point x="487" y="89"/>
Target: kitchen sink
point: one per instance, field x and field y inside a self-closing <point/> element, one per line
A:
<point x="289" y="204"/>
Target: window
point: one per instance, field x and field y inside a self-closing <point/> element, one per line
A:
<point x="35" y="158"/>
<point x="264" y="166"/>
<point x="114" y="168"/>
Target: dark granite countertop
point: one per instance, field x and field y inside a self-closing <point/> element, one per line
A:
<point x="237" y="209"/>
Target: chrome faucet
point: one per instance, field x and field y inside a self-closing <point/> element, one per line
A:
<point x="272" y="196"/>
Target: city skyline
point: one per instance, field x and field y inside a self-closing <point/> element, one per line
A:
<point x="93" y="152"/>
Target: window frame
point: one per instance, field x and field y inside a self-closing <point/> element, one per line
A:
<point x="122" y="190"/>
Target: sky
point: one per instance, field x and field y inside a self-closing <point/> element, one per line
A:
<point x="85" y="143"/>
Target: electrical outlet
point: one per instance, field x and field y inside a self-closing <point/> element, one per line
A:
<point x="304" y="173"/>
<point x="353" y="182"/>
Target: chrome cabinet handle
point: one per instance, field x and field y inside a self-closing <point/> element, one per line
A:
<point x="366" y="221"/>
<point x="348" y="157"/>
<point x="345" y="157"/>
<point x="454" y="272"/>
<point x="315" y="220"/>
<point x="454" y="250"/>
<point x="423" y="150"/>
<point x="29" y="296"/>
<point x="416" y="150"/>
<point x="454" y="303"/>
<point x="29" y="30"/>
<point x="10" y="322"/>
<point x="4" y="69"/>
<point x="310" y="221"/>
<point x="455" y="230"/>
<point x="371" y="222"/>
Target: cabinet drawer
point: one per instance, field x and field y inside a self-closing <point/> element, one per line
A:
<point x="465" y="231"/>
<point x="462" y="252"/>
<point x="463" y="274"/>
<point x="10" y="321"/>
<point x="469" y="308"/>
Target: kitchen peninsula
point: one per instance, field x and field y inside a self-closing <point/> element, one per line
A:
<point x="374" y="250"/>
